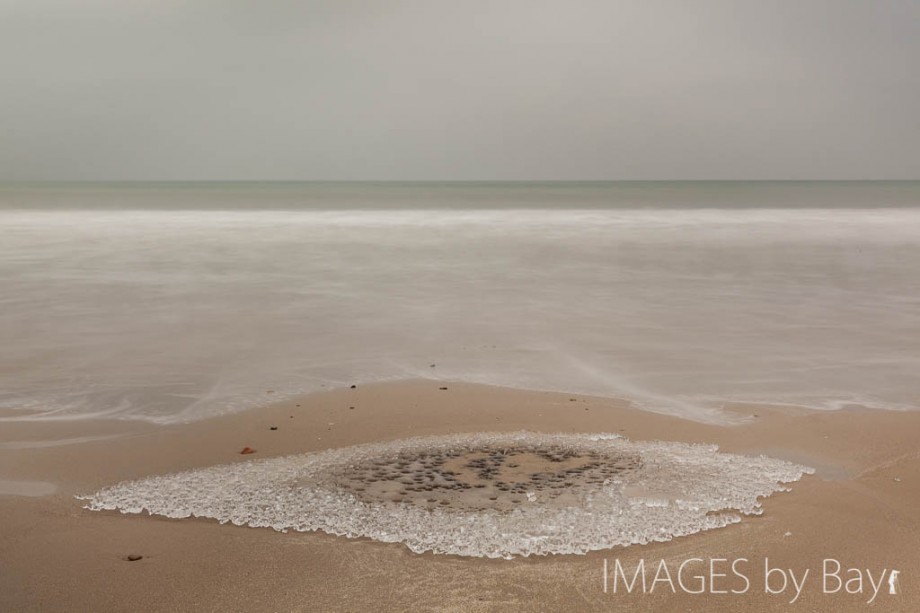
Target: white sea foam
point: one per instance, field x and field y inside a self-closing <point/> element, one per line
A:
<point x="485" y="495"/>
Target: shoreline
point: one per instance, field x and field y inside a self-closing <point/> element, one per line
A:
<point x="857" y="509"/>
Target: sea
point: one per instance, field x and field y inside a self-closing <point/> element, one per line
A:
<point x="175" y="302"/>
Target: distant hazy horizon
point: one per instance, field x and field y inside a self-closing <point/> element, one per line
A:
<point x="207" y="182"/>
<point x="376" y="195"/>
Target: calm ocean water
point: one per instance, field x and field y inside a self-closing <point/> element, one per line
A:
<point x="176" y="302"/>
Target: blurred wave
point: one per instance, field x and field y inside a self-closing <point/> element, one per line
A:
<point x="176" y="315"/>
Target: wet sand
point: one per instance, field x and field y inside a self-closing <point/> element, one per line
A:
<point x="858" y="510"/>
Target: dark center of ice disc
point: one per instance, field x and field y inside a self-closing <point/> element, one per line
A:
<point x="499" y="478"/>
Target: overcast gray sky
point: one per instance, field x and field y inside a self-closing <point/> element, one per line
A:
<point x="462" y="89"/>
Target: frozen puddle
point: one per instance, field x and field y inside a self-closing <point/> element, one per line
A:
<point x="488" y="495"/>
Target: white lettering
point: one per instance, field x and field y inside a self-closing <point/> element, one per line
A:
<point x="662" y="566"/>
<point x="798" y="585"/>
<point x="769" y="572"/>
<point x="747" y="582"/>
<point x="828" y="574"/>
<point x="618" y="572"/>
<point x="680" y="577"/>
<point x="875" y="586"/>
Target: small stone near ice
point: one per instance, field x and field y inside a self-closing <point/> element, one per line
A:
<point x="247" y="451"/>
<point x="133" y="558"/>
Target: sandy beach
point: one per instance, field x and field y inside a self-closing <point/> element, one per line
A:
<point x="459" y="307"/>
<point x="858" y="510"/>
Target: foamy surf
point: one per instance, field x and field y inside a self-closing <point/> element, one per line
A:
<point x="164" y="308"/>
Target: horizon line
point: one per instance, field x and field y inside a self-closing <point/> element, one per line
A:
<point x="14" y="182"/>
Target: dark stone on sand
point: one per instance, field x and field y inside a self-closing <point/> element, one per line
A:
<point x="442" y="388"/>
<point x="273" y="428"/>
<point x="133" y="558"/>
<point x="354" y="387"/>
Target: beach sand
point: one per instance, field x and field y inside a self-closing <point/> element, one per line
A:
<point x="860" y="509"/>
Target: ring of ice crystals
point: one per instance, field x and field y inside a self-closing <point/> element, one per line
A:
<point x="492" y="495"/>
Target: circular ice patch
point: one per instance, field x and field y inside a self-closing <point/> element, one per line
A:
<point x="491" y="494"/>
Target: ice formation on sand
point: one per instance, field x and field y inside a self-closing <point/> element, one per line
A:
<point x="490" y="494"/>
